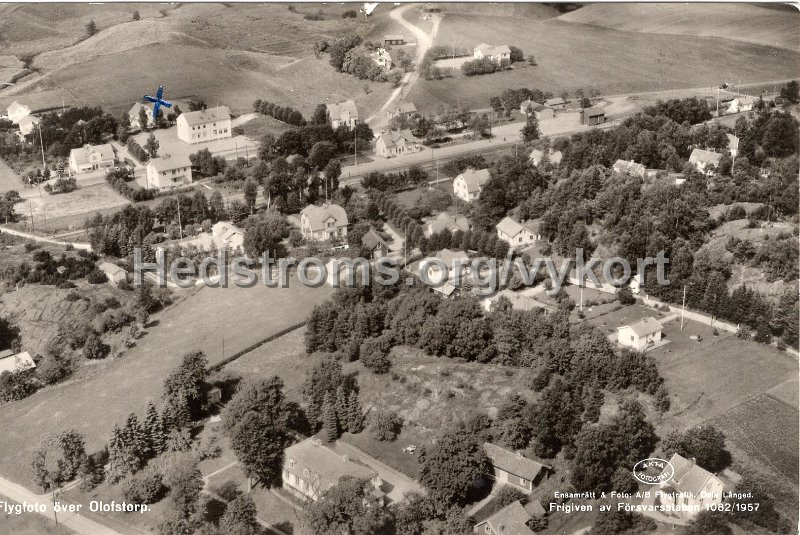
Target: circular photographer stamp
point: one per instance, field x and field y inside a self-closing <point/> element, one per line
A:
<point x="653" y="471"/>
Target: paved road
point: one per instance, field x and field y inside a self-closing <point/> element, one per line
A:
<point x="74" y="521"/>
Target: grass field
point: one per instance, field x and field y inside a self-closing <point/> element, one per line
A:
<point x="572" y="55"/>
<point x="8" y="178"/>
<point x="740" y="22"/>
<point x="263" y="124"/>
<point x="48" y="210"/>
<point x="31" y="524"/>
<point x="200" y="321"/>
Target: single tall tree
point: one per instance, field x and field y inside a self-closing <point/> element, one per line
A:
<point x="530" y="131"/>
<point x="259" y="446"/>
<point x="152" y="145"/>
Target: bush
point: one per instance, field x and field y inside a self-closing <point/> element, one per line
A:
<point x="94" y="348"/>
<point x="96" y="277"/>
<point x="145" y="487"/>
<point x="385" y="425"/>
<point x="625" y="296"/>
<point x="350" y="14"/>
<point x="228" y="491"/>
<point x="374" y="354"/>
<point x="112" y="302"/>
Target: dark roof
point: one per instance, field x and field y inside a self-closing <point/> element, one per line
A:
<point x="371" y="240"/>
<point x="513" y="463"/>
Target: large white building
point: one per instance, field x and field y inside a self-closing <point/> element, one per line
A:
<point x="495" y="53"/>
<point x="205" y="125"/>
<point x="344" y="113"/>
<point x="518" y="234"/>
<point x="169" y="172"/>
<point x="322" y="223"/>
<point x="91" y="157"/>
<point x="16" y="112"/>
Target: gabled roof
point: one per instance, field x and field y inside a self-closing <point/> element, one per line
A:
<point x="445" y="289"/>
<point x="627" y="166"/>
<point x="27" y="123"/>
<point x="509" y="227"/>
<point x="226" y="230"/>
<point x="644" y="327"/>
<point x="704" y="156"/>
<point x="557" y="101"/>
<point x="594" y="111"/>
<point x="390" y="37"/>
<point x="18" y="362"/>
<point x="510" y="520"/>
<point x="110" y="269"/>
<point x="371" y="240"/>
<point x="134" y="111"/>
<point x="446" y="221"/>
<point x="81" y="154"/>
<point x="16" y="108"/>
<point x="555" y="156"/>
<point x="317" y="215"/>
<point x="393" y="138"/>
<point x="733" y="142"/>
<point x="210" y="115"/>
<point x="405" y="107"/>
<point x="448" y="257"/>
<point x="688" y="476"/>
<point x="513" y="463"/>
<point x="168" y="162"/>
<point x="315" y="462"/>
<point x="343" y="111"/>
<point x="744" y="101"/>
<point x="475" y="179"/>
<point x="491" y="50"/>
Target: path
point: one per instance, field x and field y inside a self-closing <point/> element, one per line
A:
<point x="74" y="521"/>
<point x="424" y="42"/>
<point x="34" y="237"/>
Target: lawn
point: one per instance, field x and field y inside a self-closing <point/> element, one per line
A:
<point x="200" y="321"/>
<point x="49" y="211"/>
<point x="572" y="55"/>
<point x="392" y="453"/>
<point x="30" y="524"/>
<point x="264" y="124"/>
<point x="8" y="178"/>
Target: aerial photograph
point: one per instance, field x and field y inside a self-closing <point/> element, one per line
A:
<point x="399" y="268"/>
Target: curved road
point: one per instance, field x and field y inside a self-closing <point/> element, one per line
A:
<point x="424" y="42"/>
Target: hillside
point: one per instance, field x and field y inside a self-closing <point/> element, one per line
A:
<point x="739" y="22"/>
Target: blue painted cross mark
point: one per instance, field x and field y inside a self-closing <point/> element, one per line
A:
<point x="158" y="101"/>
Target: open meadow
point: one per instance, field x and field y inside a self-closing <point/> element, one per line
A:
<point x="200" y="320"/>
<point x="572" y="55"/>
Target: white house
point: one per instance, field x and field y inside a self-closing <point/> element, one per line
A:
<point x="514" y="469"/>
<point x="636" y="284"/>
<point x="406" y="109"/>
<point x="310" y="468"/>
<point x="169" y="172"/>
<point x="321" y="223"/>
<point x="383" y="59"/>
<point x="468" y="185"/>
<point x="205" y="125"/>
<point x="733" y="145"/>
<point x="517" y="234"/>
<point x="114" y="273"/>
<point x="394" y="143"/>
<point x="91" y="157"/>
<point x="226" y="234"/>
<point x="12" y="363"/>
<point x="740" y="104"/>
<point x="691" y="486"/>
<point x="344" y="113"/>
<point x="640" y="335"/>
<point x="540" y="111"/>
<point x="27" y="124"/>
<point x="495" y="53"/>
<point x="17" y="111"/>
<point x="705" y="161"/>
<point x="556" y="102"/>
<point x="133" y="116"/>
<point x="629" y="167"/>
<point x="553" y="156"/>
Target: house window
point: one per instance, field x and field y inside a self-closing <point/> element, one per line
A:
<point x="488" y="529"/>
<point x="520" y="240"/>
<point x="631" y="338"/>
<point x="291" y="463"/>
<point x="524" y="482"/>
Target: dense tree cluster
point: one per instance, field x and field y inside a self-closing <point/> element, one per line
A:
<point x="483" y="66"/>
<point x="705" y="444"/>
<point x="74" y="128"/>
<point x="688" y="110"/>
<point x="121" y="180"/>
<point x="137" y="151"/>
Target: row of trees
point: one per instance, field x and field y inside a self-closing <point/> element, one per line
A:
<point x="285" y="114"/>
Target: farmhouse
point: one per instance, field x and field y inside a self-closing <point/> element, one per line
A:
<point x="17" y="111"/>
<point x="404" y="109"/>
<point x="556" y="103"/>
<point x="322" y="223"/>
<point x="89" y="158"/>
<point x="629" y="167"/>
<point x="133" y="116"/>
<point x="394" y="40"/>
<point x="511" y="520"/>
<point x="169" y="172"/>
<point x="691" y="486"/>
<point x="468" y="185"/>
<point x="344" y="113"/>
<point x="373" y="246"/>
<point x="310" y="468"/>
<point x="114" y="273"/>
<point x="740" y="104"/>
<point x="495" y="53"/>
<point x="205" y="125"/>
<point x="226" y="234"/>
<point x="593" y="116"/>
<point x="705" y="161"/>
<point x="733" y="145"/>
<point x="515" y="469"/>
<point x="27" y="123"/>
<point x="538" y="156"/>
<point x="12" y="363"/>
<point x="394" y="143"/>
<point x="445" y="221"/>
<point x="383" y="59"/>
<point x="542" y="112"/>
<point x="517" y="234"/>
<point x="640" y="335"/>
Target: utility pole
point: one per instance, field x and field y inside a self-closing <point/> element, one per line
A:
<point x="581" y="309"/>
<point x="355" y="146"/>
<point x="683" y="305"/>
<point x="44" y="165"/>
<point x="717" y="101"/>
<point x="30" y="205"/>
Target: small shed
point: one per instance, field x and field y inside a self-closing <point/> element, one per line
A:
<point x="593" y="116"/>
<point x="114" y="273"/>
